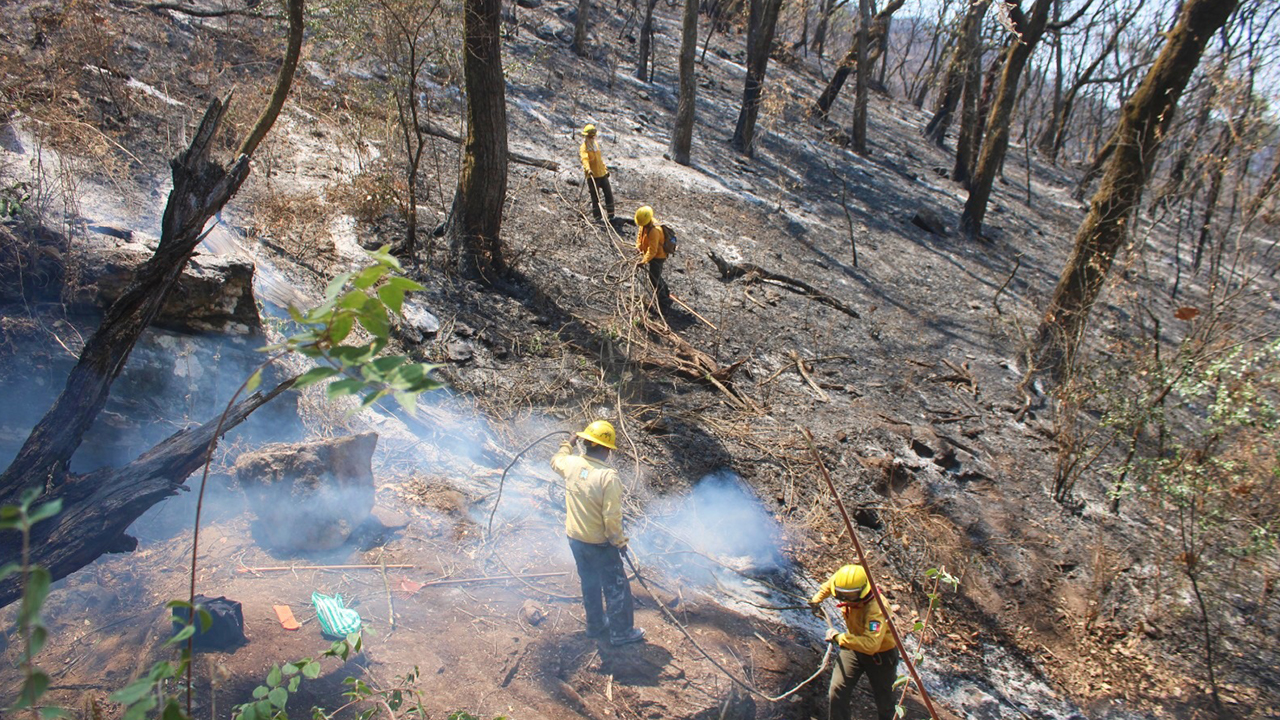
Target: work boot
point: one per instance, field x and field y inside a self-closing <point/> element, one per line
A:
<point x="598" y="632"/>
<point x="636" y="635"/>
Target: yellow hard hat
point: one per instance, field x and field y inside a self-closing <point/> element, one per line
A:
<point x="588" y="129"/>
<point x="600" y="432"/>
<point x="850" y="582"/>
<point x="644" y="216"/>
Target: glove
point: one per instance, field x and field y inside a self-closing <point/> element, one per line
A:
<point x="622" y="550"/>
<point x="832" y="634"/>
<point x="816" y="608"/>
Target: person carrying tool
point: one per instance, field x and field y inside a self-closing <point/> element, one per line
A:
<point x="651" y="242"/>
<point x="866" y="646"/>
<point x="597" y="173"/>
<point x="593" y="522"/>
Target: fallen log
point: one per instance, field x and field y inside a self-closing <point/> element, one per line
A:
<point x="729" y="270"/>
<point x="98" y="508"/>
<point x="434" y="130"/>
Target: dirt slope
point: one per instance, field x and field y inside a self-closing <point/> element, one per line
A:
<point x="914" y="402"/>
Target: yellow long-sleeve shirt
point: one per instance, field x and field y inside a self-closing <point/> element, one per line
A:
<point x="868" y="632"/>
<point x="592" y="498"/>
<point x="592" y="160"/>
<point x="649" y="241"/>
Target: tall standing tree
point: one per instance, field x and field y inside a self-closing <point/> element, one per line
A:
<point x="580" y="28"/>
<point x="682" y="133"/>
<point x="643" y="72"/>
<point x="476" y="219"/>
<point x="966" y="47"/>
<point x="1144" y="120"/>
<point x="761" y="23"/>
<point x="859" y="130"/>
<point x="1026" y="33"/>
<point x="875" y="47"/>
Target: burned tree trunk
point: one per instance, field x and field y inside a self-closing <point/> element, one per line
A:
<point x="972" y="110"/>
<point x="1028" y="30"/>
<point x="1144" y="119"/>
<point x="89" y="526"/>
<point x="476" y="217"/>
<point x="967" y="45"/>
<point x="761" y="24"/>
<point x="876" y="42"/>
<point x="682" y="133"/>
<point x="580" y="28"/>
<point x="859" y="130"/>
<point x="646" y="42"/>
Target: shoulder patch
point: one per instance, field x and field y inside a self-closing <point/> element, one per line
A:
<point x="874" y="626"/>
<point x="582" y="474"/>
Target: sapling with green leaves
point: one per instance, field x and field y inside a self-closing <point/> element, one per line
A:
<point x="939" y="576"/>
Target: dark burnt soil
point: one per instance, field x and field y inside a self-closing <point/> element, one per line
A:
<point x="915" y="404"/>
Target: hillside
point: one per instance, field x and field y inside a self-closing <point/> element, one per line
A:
<point x="912" y="379"/>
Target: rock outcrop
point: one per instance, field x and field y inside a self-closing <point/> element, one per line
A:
<point x="310" y="496"/>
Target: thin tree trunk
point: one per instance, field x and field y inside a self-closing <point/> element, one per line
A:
<point x="859" y="130"/>
<point x="824" y="21"/>
<point x="975" y="100"/>
<point x="966" y="47"/>
<point x="760" y="29"/>
<point x="682" y="133"/>
<point x="1144" y="119"/>
<point x="1063" y="118"/>
<point x="1045" y="140"/>
<point x="996" y="142"/>
<point x="580" y="28"/>
<point x="646" y="42"/>
<point x="476" y="216"/>
<point x="850" y="61"/>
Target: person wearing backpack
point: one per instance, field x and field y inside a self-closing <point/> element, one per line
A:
<point x="654" y="243"/>
<point x="597" y="173"/>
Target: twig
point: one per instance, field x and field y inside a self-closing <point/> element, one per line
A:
<point x="284" y="568"/>
<point x="386" y="584"/>
<point x="695" y="312"/>
<point x="995" y="301"/>
<point x="822" y="394"/>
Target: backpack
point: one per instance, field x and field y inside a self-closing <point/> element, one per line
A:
<point x="227" y="630"/>
<point x="669" y="241"/>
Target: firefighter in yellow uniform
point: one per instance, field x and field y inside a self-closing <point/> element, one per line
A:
<point x="593" y="522"/>
<point x="597" y="173"/>
<point x="866" y="647"/>
<point x="650" y="239"/>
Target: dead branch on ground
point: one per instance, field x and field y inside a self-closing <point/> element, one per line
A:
<point x="729" y="270"/>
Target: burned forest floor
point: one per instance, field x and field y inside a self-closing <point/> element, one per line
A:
<point x="860" y="315"/>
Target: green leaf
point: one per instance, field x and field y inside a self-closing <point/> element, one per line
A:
<point x="899" y="711"/>
<point x="408" y="401"/>
<point x="273" y="677"/>
<point x="374" y="319"/>
<point x="294" y="682"/>
<point x="278" y="697"/>
<point x="260" y="692"/>
<point x="372" y="398"/>
<point x="263" y="707"/>
<point x="340" y="328"/>
<point x="392" y="297"/>
<point x="173" y="711"/>
<point x="354" y="300"/>
<point x="139" y="710"/>
<point x="902" y="680"/>
<point x="248" y="711"/>
<point x="342" y="388"/>
<point x="254" y="381"/>
<point x="311" y="670"/>
<point x="182" y="635"/>
<point x="45" y="511"/>
<point x="384" y="365"/>
<point x="297" y="315"/>
<point x="9" y="569"/>
<point x="33" y="688"/>
<point x="335" y="285"/>
<point x="290" y="669"/>
<point x="370" y="276"/>
<point x="133" y="692"/>
<point x="49" y="713"/>
<point x="917" y="627"/>
<point x="36" y="641"/>
<point x="33" y="597"/>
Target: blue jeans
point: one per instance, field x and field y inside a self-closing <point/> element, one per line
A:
<point x="604" y="580"/>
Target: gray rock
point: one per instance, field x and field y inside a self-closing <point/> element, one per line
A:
<point x="929" y="221"/>
<point x="310" y="496"/>
<point x="214" y="293"/>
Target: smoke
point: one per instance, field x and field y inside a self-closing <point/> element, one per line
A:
<point x="713" y="535"/>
